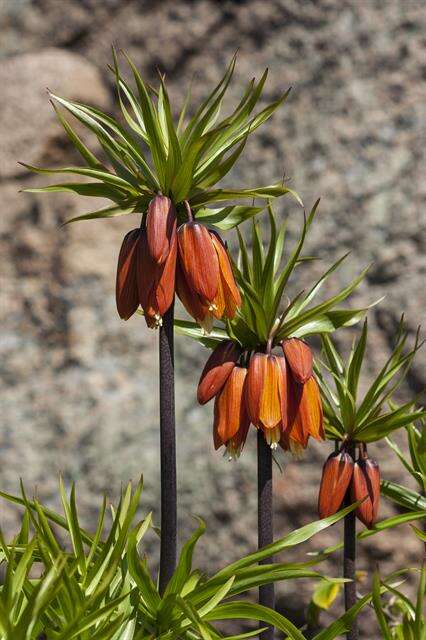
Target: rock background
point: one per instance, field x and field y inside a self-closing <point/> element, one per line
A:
<point x="79" y="386"/>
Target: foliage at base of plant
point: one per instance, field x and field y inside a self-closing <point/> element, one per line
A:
<point x="65" y="583"/>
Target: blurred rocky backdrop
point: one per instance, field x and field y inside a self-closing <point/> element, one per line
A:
<point x="79" y="386"/>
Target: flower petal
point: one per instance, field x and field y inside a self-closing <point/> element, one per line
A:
<point x="229" y="411"/>
<point x="198" y="260"/>
<point x="270" y="402"/>
<point x="299" y="358"/>
<point x="254" y="387"/>
<point x="126" y="290"/>
<point x="160" y="227"/>
<point x="217" y="369"/>
<point x="229" y="294"/>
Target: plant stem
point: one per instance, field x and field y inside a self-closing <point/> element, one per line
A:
<point x="349" y="557"/>
<point x="265" y="520"/>
<point x="168" y="452"/>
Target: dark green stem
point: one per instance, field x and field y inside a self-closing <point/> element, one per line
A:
<point x="265" y="520"/>
<point x="168" y="452"/>
<point x="349" y="556"/>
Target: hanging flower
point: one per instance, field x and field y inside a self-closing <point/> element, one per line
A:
<point x="143" y="281"/>
<point x="365" y="486"/>
<point x="336" y="477"/>
<point x="206" y="280"/>
<point x="231" y="421"/>
<point x="266" y="395"/>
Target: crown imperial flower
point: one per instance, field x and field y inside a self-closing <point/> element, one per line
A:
<point x="365" y="486"/>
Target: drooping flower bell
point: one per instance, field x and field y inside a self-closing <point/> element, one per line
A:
<point x="365" y="486"/>
<point x="266" y="395"/>
<point x="147" y="265"/>
<point x="336" y="477"/>
<point x="304" y="407"/>
<point x="205" y="281"/>
<point x="231" y="421"/>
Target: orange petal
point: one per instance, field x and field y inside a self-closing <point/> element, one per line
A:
<point x="199" y="260"/>
<point x="270" y="402"/>
<point x="305" y="417"/>
<point x="230" y="292"/>
<point x="164" y="289"/>
<point x="230" y="412"/>
<point x="299" y="358"/>
<point x="190" y="300"/>
<point x="336" y="476"/>
<point x="126" y="290"/>
<point x="283" y="391"/>
<point x="160" y="227"/>
<point x="217" y="369"/>
<point x="254" y="387"/>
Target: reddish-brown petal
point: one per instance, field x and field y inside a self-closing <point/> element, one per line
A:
<point x="305" y="416"/>
<point x="254" y="387"/>
<point x="229" y="409"/>
<point x="336" y="476"/>
<point x="164" y="289"/>
<point x="199" y="261"/>
<point x="283" y="391"/>
<point x="270" y="402"/>
<point x="228" y="297"/>
<point x="190" y="300"/>
<point x="126" y="289"/>
<point x="299" y="358"/>
<point x="366" y="484"/>
<point x="160" y="227"/>
<point x="217" y="369"/>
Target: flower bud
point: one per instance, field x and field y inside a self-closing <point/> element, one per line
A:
<point x="126" y="290"/>
<point x="160" y="227"/>
<point x="336" y="476"/>
<point x="199" y="261"/>
<point x="217" y="369"/>
<point x="299" y="358"/>
<point x="366" y="484"/>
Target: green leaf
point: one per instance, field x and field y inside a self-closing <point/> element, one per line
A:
<point x="402" y="495"/>
<point x="272" y="191"/>
<point x="194" y="331"/>
<point x="227" y="217"/>
<point x="248" y="611"/>
<point x="108" y="212"/>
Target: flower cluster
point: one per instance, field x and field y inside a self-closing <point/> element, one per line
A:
<point x="361" y="479"/>
<point x="276" y="393"/>
<point x="158" y="259"/>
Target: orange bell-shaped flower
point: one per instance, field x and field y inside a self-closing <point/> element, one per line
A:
<point x="266" y="395"/>
<point x="304" y="411"/>
<point x="365" y="486"/>
<point x="299" y="358"/>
